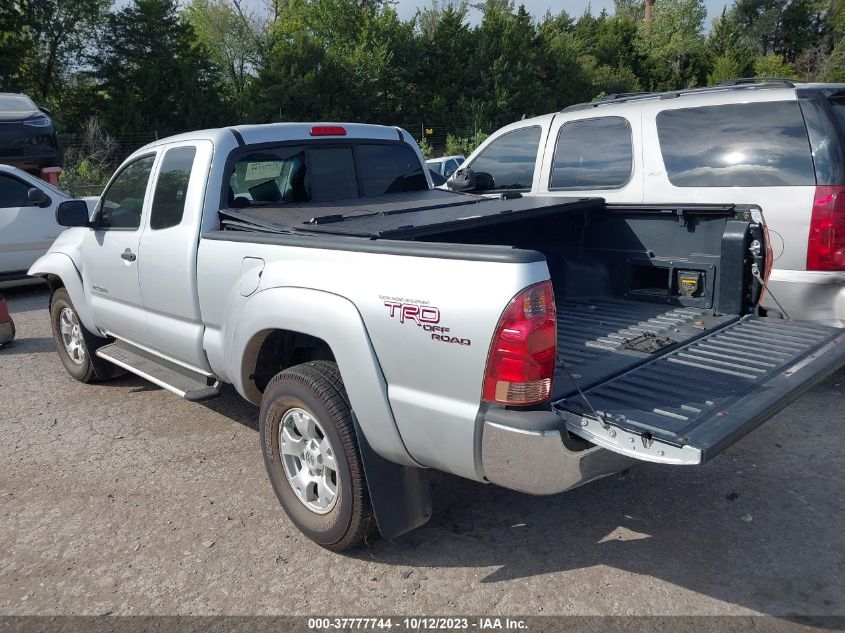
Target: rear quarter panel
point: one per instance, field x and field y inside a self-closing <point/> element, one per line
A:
<point x="433" y="387"/>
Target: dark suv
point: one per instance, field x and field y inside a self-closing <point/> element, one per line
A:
<point x="27" y="138"/>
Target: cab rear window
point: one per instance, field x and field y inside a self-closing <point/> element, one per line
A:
<point x="322" y="173"/>
<point x="736" y="145"/>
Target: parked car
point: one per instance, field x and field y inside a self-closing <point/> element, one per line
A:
<point x="385" y="327"/>
<point x="27" y="137"/>
<point x="777" y="144"/>
<point x="27" y="220"/>
<point x="445" y="165"/>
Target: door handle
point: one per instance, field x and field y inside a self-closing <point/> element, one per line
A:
<point x="128" y="255"/>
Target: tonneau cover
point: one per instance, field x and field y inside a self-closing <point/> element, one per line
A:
<point x="397" y="216"/>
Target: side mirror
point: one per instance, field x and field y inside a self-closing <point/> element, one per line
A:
<point x="484" y="181"/>
<point x="73" y="213"/>
<point x="462" y="180"/>
<point x="46" y="111"/>
<point x="38" y="198"/>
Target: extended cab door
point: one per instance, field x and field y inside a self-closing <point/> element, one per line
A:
<point x="110" y="252"/>
<point x="167" y="261"/>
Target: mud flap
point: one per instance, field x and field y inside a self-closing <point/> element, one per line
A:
<point x="400" y="495"/>
<point x="689" y="405"/>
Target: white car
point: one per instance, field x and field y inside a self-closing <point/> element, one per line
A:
<point x="445" y="165"/>
<point x="27" y="220"/>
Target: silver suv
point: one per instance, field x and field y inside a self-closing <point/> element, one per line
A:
<point x="774" y="143"/>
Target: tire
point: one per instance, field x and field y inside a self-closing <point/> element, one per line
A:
<point x="315" y="390"/>
<point x="83" y="365"/>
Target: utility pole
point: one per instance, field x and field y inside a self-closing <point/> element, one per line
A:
<point x="649" y="15"/>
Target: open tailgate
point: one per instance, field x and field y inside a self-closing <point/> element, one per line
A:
<point x="689" y="405"/>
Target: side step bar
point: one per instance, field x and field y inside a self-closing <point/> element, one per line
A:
<point x="179" y="380"/>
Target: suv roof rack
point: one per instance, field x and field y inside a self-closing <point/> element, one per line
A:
<point x="741" y="83"/>
<point x="745" y="81"/>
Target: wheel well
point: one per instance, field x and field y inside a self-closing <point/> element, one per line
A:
<point x="281" y="349"/>
<point x="54" y="281"/>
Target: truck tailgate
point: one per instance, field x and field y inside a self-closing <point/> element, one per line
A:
<point x="687" y="406"/>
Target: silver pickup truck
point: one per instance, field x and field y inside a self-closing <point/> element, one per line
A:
<point x="386" y="328"/>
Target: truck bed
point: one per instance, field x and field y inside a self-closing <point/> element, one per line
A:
<point x="592" y="334"/>
<point x="404" y="216"/>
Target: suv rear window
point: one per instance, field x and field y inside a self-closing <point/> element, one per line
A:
<point x="322" y="173"/>
<point x="593" y="154"/>
<point x="736" y="145"/>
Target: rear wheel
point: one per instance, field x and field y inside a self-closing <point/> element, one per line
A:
<point x="311" y="455"/>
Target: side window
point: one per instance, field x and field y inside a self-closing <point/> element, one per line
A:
<point x="736" y="145"/>
<point x="171" y="188"/>
<point x="13" y="193"/>
<point x="509" y="160"/>
<point x="123" y="202"/>
<point x="593" y="154"/>
<point x="450" y="167"/>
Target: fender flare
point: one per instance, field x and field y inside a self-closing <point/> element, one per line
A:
<point x="337" y="321"/>
<point x="62" y="266"/>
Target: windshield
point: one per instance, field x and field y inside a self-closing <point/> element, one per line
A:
<point x="16" y="103"/>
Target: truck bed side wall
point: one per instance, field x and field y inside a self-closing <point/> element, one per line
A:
<point x="378" y="313"/>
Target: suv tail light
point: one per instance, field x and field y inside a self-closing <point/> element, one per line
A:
<point x="521" y="362"/>
<point x="826" y="246"/>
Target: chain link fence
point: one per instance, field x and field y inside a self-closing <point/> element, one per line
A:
<point x="445" y="139"/>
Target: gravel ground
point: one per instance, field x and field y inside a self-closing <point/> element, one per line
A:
<point x="121" y="498"/>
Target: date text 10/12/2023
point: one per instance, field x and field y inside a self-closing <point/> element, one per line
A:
<point x="417" y="624"/>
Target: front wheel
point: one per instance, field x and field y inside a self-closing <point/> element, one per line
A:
<point x="70" y="342"/>
<point x="311" y="455"/>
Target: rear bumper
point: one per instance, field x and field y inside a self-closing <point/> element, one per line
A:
<point x="531" y="451"/>
<point x="30" y="151"/>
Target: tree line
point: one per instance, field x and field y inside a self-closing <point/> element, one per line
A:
<point x="156" y="65"/>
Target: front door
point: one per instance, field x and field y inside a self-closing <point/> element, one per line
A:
<point x="26" y="230"/>
<point x="110" y="268"/>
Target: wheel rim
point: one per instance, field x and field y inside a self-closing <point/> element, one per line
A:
<point x="71" y="333"/>
<point x="309" y="460"/>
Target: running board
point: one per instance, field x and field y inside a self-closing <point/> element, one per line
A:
<point x="179" y="380"/>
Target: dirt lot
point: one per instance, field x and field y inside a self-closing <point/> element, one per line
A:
<point x="121" y="498"/>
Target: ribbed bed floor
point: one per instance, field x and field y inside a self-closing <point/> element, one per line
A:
<point x="592" y="333"/>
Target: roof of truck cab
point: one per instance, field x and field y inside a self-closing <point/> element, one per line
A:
<point x="280" y="132"/>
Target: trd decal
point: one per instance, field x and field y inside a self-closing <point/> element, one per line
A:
<point x="412" y="312"/>
<point x="426" y="317"/>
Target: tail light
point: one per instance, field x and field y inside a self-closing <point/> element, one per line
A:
<point x="826" y="246"/>
<point x="328" y="130"/>
<point x="521" y="362"/>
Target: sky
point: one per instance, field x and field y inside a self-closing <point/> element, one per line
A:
<point x="407" y="8"/>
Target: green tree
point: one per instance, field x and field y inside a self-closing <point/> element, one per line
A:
<point x="773" y="66"/>
<point x="153" y="74"/>
<point x="231" y="37"/>
<point x="676" y="46"/>
<point x="43" y="40"/>
<point x="781" y="27"/>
